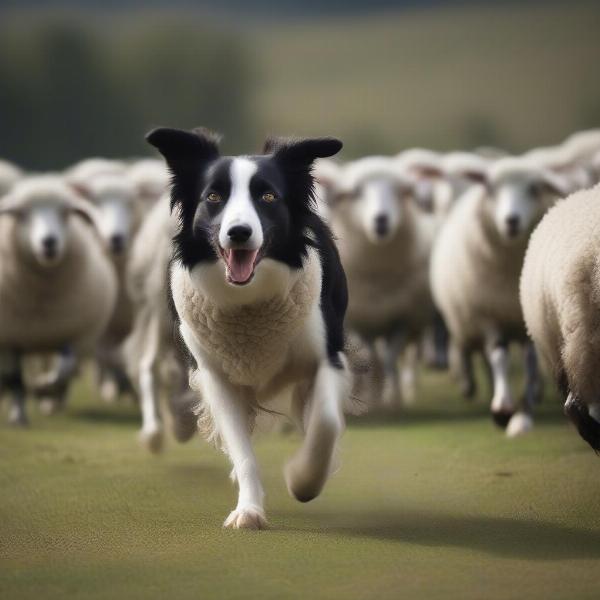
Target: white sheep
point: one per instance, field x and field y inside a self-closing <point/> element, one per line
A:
<point x="57" y="285"/>
<point x="150" y="179"/>
<point x="475" y="268"/>
<point x="151" y="346"/>
<point x="384" y="241"/>
<point x="560" y="296"/>
<point x="9" y="175"/>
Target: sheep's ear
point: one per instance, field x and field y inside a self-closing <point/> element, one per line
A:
<point x="555" y="185"/>
<point x="301" y="151"/>
<point x="184" y="148"/>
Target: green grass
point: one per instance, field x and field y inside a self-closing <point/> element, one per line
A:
<point x="433" y="504"/>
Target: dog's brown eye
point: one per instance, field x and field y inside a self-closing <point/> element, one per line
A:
<point x="268" y="197"/>
<point x="213" y="197"/>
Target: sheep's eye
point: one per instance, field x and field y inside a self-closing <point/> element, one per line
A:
<point x="268" y="197"/>
<point x="214" y="197"/>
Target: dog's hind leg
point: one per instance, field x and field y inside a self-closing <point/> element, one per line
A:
<point x="307" y="471"/>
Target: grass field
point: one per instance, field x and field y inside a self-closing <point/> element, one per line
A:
<point x="433" y="504"/>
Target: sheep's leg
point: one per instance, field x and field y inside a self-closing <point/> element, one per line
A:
<point x="502" y="401"/>
<point x="392" y="392"/>
<point x="581" y="416"/>
<point x="468" y="385"/>
<point x="17" y="414"/>
<point x="522" y="421"/>
<point x="308" y="470"/>
<point x="409" y="373"/>
<point x="441" y="340"/>
<point x="151" y="433"/>
<point x="230" y="411"/>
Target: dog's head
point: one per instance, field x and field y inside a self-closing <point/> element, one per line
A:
<point x="241" y="210"/>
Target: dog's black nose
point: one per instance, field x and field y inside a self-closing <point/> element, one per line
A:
<point x="512" y="224"/>
<point x="382" y="224"/>
<point x="239" y="233"/>
<point x="50" y="244"/>
<point x="117" y="243"/>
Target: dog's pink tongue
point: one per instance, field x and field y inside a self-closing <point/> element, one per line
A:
<point x="241" y="264"/>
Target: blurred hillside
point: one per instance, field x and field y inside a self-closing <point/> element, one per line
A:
<point x="76" y="83"/>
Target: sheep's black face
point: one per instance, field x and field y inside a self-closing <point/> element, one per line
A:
<point x="241" y="210"/>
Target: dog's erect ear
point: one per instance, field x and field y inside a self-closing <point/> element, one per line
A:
<point x="184" y="147"/>
<point x="301" y="151"/>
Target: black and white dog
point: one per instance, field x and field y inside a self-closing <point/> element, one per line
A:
<point x="260" y="296"/>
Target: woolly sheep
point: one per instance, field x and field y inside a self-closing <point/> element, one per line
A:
<point x="384" y="241"/>
<point x="560" y="296"/>
<point x="57" y="286"/>
<point x="150" y="179"/>
<point x="475" y="268"/>
<point x="151" y="344"/>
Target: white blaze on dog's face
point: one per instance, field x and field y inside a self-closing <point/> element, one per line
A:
<point x="43" y="231"/>
<point x="378" y="209"/>
<point x="240" y="232"/>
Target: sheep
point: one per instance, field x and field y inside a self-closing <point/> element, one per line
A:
<point x="151" y="343"/>
<point x="80" y="173"/>
<point x="57" y="285"/>
<point x="9" y="175"/>
<point x="384" y="242"/>
<point x="475" y="268"/>
<point x="560" y="297"/>
<point x="150" y="179"/>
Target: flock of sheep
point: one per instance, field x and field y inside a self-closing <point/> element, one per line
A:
<point x="446" y="255"/>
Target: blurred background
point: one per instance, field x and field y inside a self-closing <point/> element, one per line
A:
<point x="91" y="77"/>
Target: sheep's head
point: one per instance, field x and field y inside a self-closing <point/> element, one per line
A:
<point x="373" y="196"/>
<point x="517" y="195"/>
<point x="41" y="208"/>
<point x="114" y="197"/>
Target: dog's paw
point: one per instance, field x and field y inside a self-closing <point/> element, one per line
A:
<point x="152" y="439"/>
<point x="248" y="517"/>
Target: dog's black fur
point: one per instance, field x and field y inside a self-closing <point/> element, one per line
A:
<point x="290" y="226"/>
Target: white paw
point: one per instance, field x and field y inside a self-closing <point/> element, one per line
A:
<point x="109" y="391"/>
<point x="519" y="424"/>
<point x="152" y="439"/>
<point x="17" y="417"/>
<point x="247" y="517"/>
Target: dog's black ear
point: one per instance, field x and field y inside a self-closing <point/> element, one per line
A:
<point x="176" y="145"/>
<point x="301" y="151"/>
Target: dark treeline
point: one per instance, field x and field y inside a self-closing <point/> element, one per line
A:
<point x="71" y="89"/>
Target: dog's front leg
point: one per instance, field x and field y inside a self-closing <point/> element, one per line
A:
<point x="229" y="409"/>
<point x="307" y="471"/>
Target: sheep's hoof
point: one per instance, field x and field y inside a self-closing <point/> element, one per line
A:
<point x="502" y="417"/>
<point x="49" y="406"/>
<point x="519" y="424"/>
<point x="249" y="517"/>
<point x="109" y="391"/>
<point x="152" y="440"/>
<point x="18" y="418"/>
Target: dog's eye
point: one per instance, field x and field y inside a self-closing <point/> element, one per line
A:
<point x="214" y="197"/>
<point x="268" y="197"/>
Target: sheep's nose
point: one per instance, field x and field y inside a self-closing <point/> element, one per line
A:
<point x="117" y="243"/>
<point x="382" y="225"/>
<point x="512" y="224"/>
<point x="50" y="245"/>
<point x="239" y="234"/>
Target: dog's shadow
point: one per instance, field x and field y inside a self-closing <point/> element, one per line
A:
<point x="500" y="536"/>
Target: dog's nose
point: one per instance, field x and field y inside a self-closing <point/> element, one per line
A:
<point x="117" y="243"/>
<point x="239" y="234"/>
<point x="382" y="224"/>
<point x="50" y="243"/>
<point x="512" y="224"/>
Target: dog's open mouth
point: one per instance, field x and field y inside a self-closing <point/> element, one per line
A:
<point x="240" y="264"/>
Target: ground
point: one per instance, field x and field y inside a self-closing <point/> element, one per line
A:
<point x="435" y="503"/>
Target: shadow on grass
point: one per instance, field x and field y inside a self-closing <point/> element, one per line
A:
<point x="107" y="415"/>
<point x="509" y="538"/>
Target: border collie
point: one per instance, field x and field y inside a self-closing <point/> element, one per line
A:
<point x="260" y="296"/>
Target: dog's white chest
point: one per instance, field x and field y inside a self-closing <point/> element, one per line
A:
<point x="250" y="343"/>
